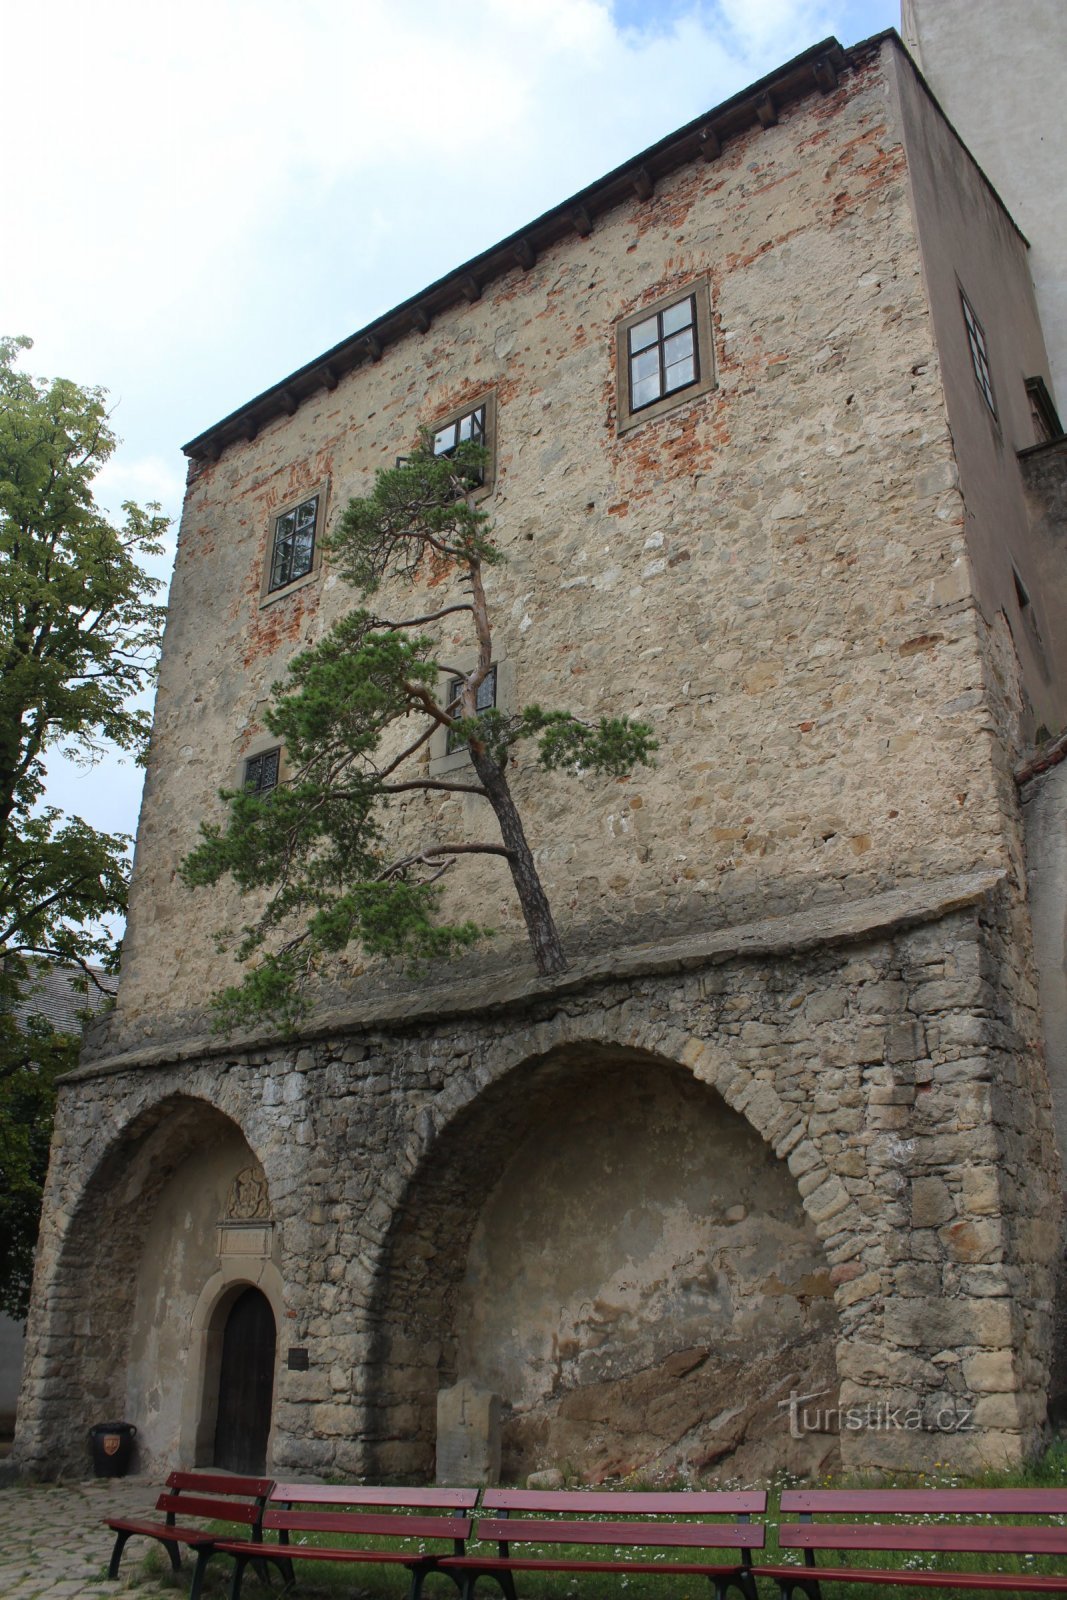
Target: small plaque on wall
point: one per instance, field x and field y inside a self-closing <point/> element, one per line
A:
<point x="245" y="1239"/>
<point x="298" y="1360"/>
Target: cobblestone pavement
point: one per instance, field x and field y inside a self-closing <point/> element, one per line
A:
<point x="54" y="1546"/>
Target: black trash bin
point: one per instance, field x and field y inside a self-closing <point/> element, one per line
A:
<point x="112" y="1446"/>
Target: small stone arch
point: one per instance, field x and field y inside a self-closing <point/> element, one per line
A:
<point x="90" y="1322"/>
<point x="460" y="1151"/>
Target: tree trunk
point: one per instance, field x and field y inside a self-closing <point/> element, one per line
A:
<point x="540" y="925"/>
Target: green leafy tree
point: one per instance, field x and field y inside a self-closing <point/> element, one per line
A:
<point x="317" y="847"/>
<point x="79" y="638"/>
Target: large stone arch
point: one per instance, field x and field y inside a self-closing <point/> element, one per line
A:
<point x="463" y="1156"/>
<point x="140" y="1230"/>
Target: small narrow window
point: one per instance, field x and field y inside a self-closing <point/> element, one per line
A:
<point x="1043" y="412"/>
<point x="263" y="771"/>
<point x="293" y="550"/>
<point x="979" y="353"/>
<point x="485" y="699"/>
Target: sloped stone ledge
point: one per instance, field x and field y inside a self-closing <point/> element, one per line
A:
<point x="827" y="925"/>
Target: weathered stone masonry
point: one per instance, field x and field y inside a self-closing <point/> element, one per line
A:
<point x="881" y="1070"/>
<point x="785" y="1126"/>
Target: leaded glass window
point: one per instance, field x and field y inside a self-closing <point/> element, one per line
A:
<point x="263" y="771"/>
<point x="485" y="699"/>
<point x="663" y="353"/>
<point x="293" y="554"/>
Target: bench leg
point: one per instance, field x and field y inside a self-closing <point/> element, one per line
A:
<point x="116" y="1555"/>
<point x="808" y="1586"/>
<point x="740" y="1580"/>
<point x="174" y="1551"/>
<point x="203" y="1556"/>
<point x="239" y="1564"/>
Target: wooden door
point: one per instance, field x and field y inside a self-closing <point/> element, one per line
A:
<point x="246" y="1385"/>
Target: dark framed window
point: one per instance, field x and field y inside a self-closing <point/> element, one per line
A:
<point x="979" y="353"/>
<point x="293" y="546"/>
<point x="664" y="355"/>
<point x="470" y="427"/>
<point x="263" y="771"/>
<point x="1043" y="412"/>
<point x="485" y="699"/>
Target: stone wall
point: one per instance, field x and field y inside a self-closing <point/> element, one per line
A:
<point x="884" y="1059"/>
<point x="774" y="574"/>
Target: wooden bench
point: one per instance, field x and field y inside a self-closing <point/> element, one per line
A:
<point x="912" y="1533"/>
<point x="306" y="1508"/>
<point x="676" y="1521"/>
<point x="218" y="1497"/>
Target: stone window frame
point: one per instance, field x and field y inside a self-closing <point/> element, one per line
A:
<point x="482" y="402"/>
<point x="699" y="291"/>
<point x="442" y="759"/>
<point x="978" y="345"/>
<point x="318" y="491"/>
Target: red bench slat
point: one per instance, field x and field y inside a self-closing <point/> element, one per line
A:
<point x="941" y="1579"/>
<point x="194" y="1505"/>
<point x="691" y="1535"/>
<point x="399" y="1526"/>
<point x="673" y="1503"/>
<point x="322" y="1552"/>
<point x="972" y="1538"/>
<point x="561" y="1564"/>
<point x="220" y="1483"/>
<point x="918" y="1502"/>
<point x="346" y="1494"/>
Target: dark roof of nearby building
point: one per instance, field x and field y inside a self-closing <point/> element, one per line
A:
<point x="55" y="993"/>
<point x="758" y="105"/>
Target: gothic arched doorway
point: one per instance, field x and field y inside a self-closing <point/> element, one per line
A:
<point x="246" y="1384"/>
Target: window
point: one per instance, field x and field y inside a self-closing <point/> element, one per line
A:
<point x="979" y="353"/>
<point x="475" y="423"/>
<point x="1043" y="412"/>
<point x="497" y="688"/>
<point x="485" y="699"/>
<point x="263" y="771"/>
<point x="294" y="544"/>
<point x="664" y="355"/>
<point x="469" y="428"/>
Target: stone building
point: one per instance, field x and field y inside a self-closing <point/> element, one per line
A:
<point x="784" y="1127"/>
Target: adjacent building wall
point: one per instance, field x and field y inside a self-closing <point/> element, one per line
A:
<point x="998" y="71"/>
<point x="971" y="247"/>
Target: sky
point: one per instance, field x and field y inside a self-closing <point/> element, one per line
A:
<point x="204" y="197"/>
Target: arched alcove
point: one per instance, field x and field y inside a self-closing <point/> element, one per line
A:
<point x="603" y="1242"/>
<point x="163" y="1214"/>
